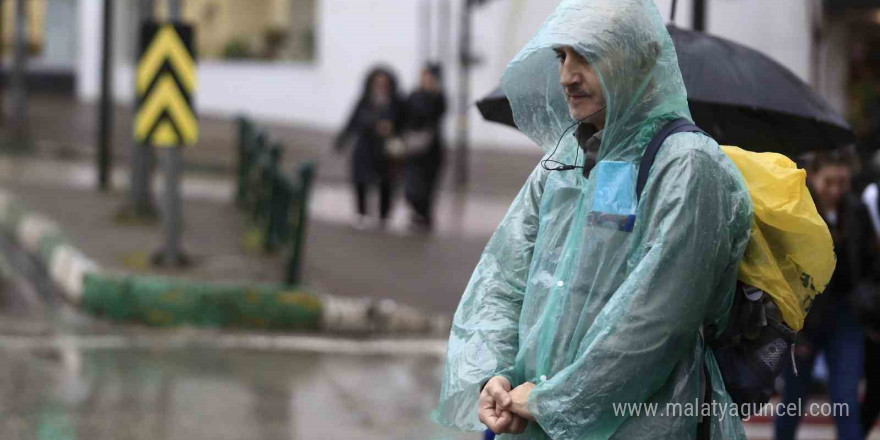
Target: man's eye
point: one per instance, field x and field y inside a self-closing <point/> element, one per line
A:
<point x="560" y="56"/>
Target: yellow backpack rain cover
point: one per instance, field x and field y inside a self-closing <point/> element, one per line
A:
<point x="790" y="254"/>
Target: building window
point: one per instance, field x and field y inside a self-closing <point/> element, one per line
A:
<point x="252" y="29"/>
<point x="36" y="27"/>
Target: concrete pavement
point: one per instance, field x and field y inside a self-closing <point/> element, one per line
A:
<point x="427" y="271"/>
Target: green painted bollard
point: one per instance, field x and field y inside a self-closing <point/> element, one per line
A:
<point x="268" y="193"/>
<point x="284" y="193"/>
<point x="254" y="151"/>
<point x="300" y="221"/>
<point x="245" y="144"/>
<point x="264" y="159"/>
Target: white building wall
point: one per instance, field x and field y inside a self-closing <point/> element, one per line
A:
<point x="322" y="93"/>
<point x="317" y="93"/>
<point x="88" y="69"/>
<point x="779" y="28"/>
<point x="352" y="35"/>
<point x="833" y="59"/>
<point x="60" y="50"/>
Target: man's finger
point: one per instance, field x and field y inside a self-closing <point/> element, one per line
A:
<point x="504" y="421"/>
<point x="502" y="398"/>
<point x="486" y="398"/>
<point x="502" y="382"/>
<point x="492" y="424"/>
<point x="499" y="425"/>
<point x="488" y="418"/>
<point x="507" y="416"/>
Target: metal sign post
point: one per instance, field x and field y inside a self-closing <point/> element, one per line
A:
<point x="700" y="14"/>
<point x="171" y="254"/>
<point x="165" y="84"/>
<point x="17" y="82"/>
<point x="105" y="109"/>
<point x="141" y="204"/>
<point x="465" y="61"/>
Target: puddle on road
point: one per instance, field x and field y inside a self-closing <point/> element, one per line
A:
<point x="193" y="394"/>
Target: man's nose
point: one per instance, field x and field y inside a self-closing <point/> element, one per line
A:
<point x="567" y="76"/>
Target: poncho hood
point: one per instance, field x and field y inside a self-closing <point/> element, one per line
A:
<point x="632" y="53"/>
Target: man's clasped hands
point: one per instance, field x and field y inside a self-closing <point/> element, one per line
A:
<point x="504" y="410"/>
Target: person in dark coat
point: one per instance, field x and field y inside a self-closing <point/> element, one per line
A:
<point x="425" y="109"/>
<point x="831" y="326"/>
<point x="376" y="120"/>
<point x="871" y="321"/>
<point x="868" y="302"/>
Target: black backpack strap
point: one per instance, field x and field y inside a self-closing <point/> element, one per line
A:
<point x="681" y="125"/>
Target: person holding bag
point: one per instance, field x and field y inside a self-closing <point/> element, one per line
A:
<point x="374" y="127"/>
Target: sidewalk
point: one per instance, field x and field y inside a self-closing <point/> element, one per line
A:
<point x="63" y="127"/>
<point x="426" y="271"/>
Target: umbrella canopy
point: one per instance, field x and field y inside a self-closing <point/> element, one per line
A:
<point x="739" y="96"/>
<point x="496" y="108"/>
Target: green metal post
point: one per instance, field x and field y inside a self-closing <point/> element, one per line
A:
<point x="244" y="140"/>
<point x="270" y="195"/>
<point x="255" y="174"/>
<point x="297" y="246"/>
<point x="282" y="199"/>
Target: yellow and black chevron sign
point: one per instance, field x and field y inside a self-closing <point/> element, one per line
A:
<point x="165" y="85"/>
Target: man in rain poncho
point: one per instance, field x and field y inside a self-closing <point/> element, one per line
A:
<point x="573" y="309"/>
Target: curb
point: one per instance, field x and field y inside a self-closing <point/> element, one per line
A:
<point x="42" y="238"/>
<point x="165" y="301"/>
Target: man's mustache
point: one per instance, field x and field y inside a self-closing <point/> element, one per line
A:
<point x="577" y="91"/>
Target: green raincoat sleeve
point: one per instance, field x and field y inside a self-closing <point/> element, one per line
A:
<point x="685" y="244"/>
<point x="484" y="337"/>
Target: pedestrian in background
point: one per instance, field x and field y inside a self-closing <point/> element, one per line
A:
<point x="868" y="303"/>
<point x="424" y="138"/>
<point x="831" y="327"/>
<point x="373" y="126"/>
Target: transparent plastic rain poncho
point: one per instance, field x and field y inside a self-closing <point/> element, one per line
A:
<point x="563" y="296"/>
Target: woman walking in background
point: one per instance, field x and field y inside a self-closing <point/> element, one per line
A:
<point x="867" y="301"/>
<point x="831" y="327"/>
<point x="424" y="141"/>
<point x="374" y="124"/>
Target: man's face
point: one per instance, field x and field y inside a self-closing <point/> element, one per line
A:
<point x="428" y="81"/>
<point x="583" y="91"/>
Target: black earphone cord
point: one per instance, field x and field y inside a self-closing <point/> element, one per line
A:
<point x="563" y="166"/>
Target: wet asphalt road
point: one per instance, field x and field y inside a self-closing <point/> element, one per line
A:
<point x="60" y="379"/>
<point x="208" y="394"/>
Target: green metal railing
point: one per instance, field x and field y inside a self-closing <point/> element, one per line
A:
<point x="276" y="202"/>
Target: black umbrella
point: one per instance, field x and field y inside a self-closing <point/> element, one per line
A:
<point x="739" y="96"/>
